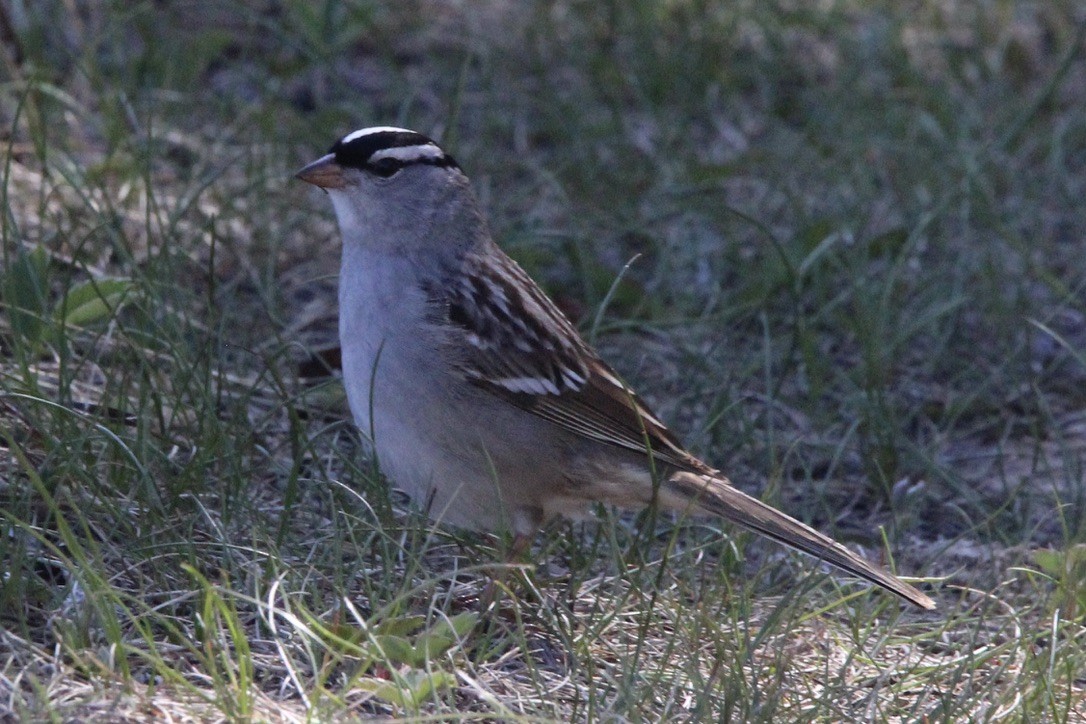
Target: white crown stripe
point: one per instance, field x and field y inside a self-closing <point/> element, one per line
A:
<point x="407" y="154"/>
<point x="362" y="132"/>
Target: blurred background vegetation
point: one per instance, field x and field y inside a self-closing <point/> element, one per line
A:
<point x="838" y="246"/>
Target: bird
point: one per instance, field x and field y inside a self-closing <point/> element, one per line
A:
<point x="476" y="394"/>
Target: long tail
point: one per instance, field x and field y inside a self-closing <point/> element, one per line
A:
<point x="717" y="496"/>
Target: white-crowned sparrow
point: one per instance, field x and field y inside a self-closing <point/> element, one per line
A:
<point x="479" y="397"/>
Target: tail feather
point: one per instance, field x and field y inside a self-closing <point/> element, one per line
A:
<point x="717" y="496"/>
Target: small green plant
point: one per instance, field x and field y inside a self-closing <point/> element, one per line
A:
<point x="398" y="656"/>
<point x="37" y="320"/>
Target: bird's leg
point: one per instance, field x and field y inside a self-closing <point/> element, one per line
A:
<point x="516" y="550"/>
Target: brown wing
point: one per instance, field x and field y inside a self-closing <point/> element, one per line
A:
<point x="520" y="346"/>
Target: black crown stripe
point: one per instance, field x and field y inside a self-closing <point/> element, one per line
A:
<point x="357" y="152"/>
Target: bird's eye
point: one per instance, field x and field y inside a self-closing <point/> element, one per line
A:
<point x="385" y="167"/>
